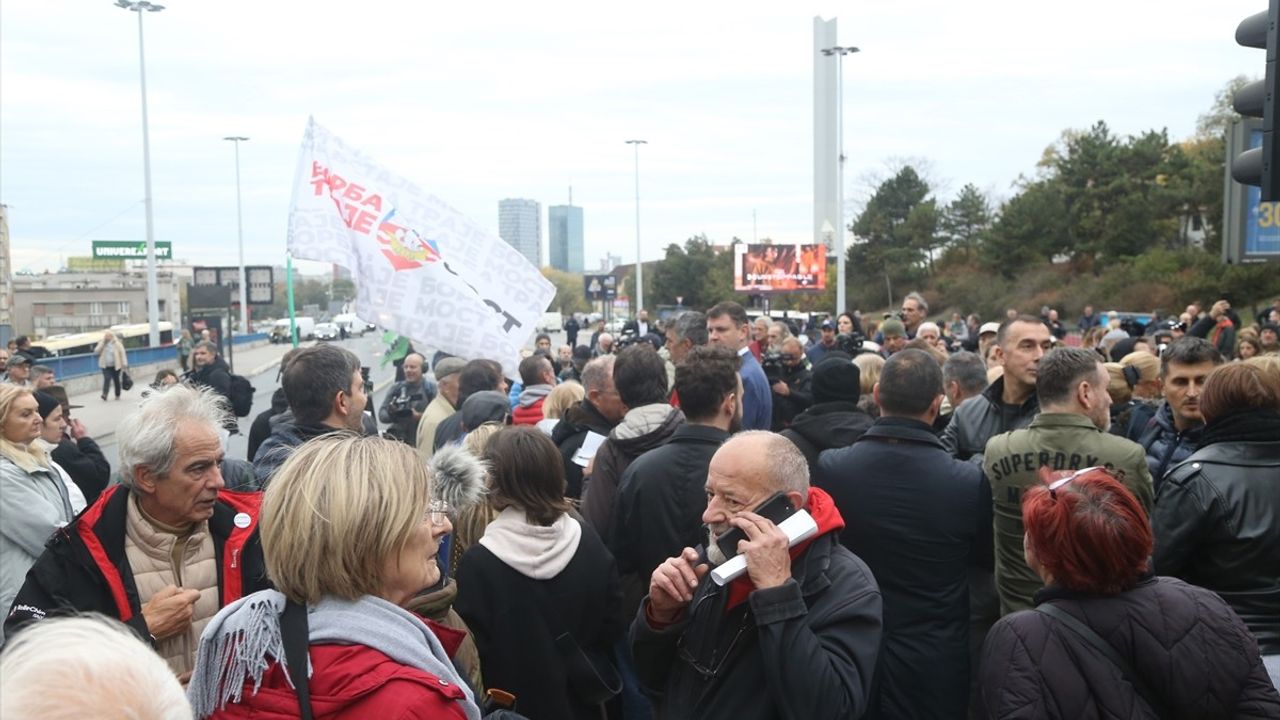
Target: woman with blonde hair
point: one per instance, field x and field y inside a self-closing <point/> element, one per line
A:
<point x="34" y="501"/>
<point x="112" y="360"/>
<point x="349" y="532"/>
<point x="869" y="367"/>
<point x="561" y="398"/>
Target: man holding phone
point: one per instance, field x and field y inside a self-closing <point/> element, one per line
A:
<point x="798" y="635"/>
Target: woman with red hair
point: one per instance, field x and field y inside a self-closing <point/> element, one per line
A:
<point x="1107" y="638"/>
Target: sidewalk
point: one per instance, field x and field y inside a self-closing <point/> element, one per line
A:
<point x="100" y="418"/>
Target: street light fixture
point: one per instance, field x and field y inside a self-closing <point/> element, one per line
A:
<point x="840" y="241"/>
<point x="153" y="299"/>
<point x="244" y="292"/>
<point x="639" y="260"/>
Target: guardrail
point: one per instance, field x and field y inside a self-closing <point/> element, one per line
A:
<point x="74" y="366"/>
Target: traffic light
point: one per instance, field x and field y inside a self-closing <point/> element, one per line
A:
<point x="1260" y="165"/>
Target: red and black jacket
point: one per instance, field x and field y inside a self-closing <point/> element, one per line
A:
<point x="84" y="567"/>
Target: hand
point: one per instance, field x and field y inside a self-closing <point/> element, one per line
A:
<point x="672" y="585"/>
<point x="77" y="430"/>
<point x="781" y="388"/>
<point x="1219" y="309"/>
<point x="768" y="561"/>
<point x="169" y="611"/>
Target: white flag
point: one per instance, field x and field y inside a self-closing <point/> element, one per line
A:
<point x="421" y="268"/>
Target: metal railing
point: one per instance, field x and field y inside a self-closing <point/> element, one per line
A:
<point x="73" y="366"/>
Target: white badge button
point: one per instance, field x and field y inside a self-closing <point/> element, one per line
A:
<point x="242" y="520"/>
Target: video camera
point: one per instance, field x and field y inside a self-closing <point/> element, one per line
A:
<point x="771" y="363"/>
<point x="626" y="339"/>
<point x="850" y="343"/>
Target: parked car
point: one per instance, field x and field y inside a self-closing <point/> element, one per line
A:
<point x="327" y="331"/>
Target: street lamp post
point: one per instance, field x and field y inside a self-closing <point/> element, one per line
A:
<point x="639" y="259"/>
<point x="244" y="292"/>
<point x="153" y="298"/>
<point x="841" y="250"/>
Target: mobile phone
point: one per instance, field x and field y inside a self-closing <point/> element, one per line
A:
<point x="775" y="508"/>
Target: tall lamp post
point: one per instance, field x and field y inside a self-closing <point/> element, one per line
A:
<point x="244" y="291"/>
<point x="841" y="250"/>
<point x="639" y="259"/>
<point x="153" y="299"/>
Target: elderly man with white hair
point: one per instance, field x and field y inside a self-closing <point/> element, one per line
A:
<point x="166" y="549"/>
<point x="797" y="635"/>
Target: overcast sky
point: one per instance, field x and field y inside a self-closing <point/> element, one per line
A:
<point x="476" y="102"/>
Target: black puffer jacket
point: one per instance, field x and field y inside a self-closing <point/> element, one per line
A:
<point x="1215" y="521"/>
<point x="827" y="426"/>
<point x="981" y="418"/>
<point x="569" y="434"/>
<point x="1190" y="649"/>
<point x="1164" y="445"/>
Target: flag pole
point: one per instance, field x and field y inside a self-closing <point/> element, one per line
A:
<point x="288" y="281"/>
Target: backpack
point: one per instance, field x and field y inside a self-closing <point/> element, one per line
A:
<point x="241" y="395"/>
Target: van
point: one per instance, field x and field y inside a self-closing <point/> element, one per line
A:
<point x="306" y="329"/>
<point x="551" y="322"/>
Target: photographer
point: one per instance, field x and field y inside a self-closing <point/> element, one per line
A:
<point x="407" y="400"/>
<point x="789" y="377"/>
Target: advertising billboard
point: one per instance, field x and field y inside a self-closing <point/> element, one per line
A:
<point x="1251" y="230"/>
<point x="791" y="267"/>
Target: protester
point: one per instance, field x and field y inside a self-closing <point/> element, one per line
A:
<point x="796" y="636"/>
<point x="792" y="393"/>
<point x="326" y="394"/>
<point x="578" y="358"/>
<point x="1248" y="346"/>
<point x="260" y="429"/>
<point x="476" y="376"/>
<point x="1171" y="435"/>
<point x="1215" y="513"/>
<point x="85" y="667"/>
<point x="1069" y="433"/>
<point x="963" y="376"/>
<point x="535" y="576"/>
<point x="893" y="337"/>
<point x="869" y="366"/>
<point x="1218" y="327"/>
<point x="19" y="367"/>
<point x="118" y="558"/>
<point x="210" y="370"/>
<point x="34" y="500"/>
<point x="447" y="372"/>
<point x="78" y="454"/>
<point x="539" y="379"/>
<point x="599" y="412"/>
<point x="406" y="401"/>
<point x="913" y="313"/>
<point x="661" y="496"/>
<point x="52" y="430"/>
<point x="112" y="360"/>
<point x="847" y="324"/>
<point x="834" y="420"/>
<point x="687" y="332"/>
<point x="825" y="344"/>
<point x="185" y="345"/>
<point x="603" y="345"/>
<point x="42" y="376"/>
<point x="759" y="344"/>
<point x="571" y="329"/>
<point x="558" y="401"/>
<point x="641" y="381"/>
<point x="778" y="331"/>
<point x="919" y="519"/>
<point x="1107" y="639"/>
<point x="727" y="327"/>
<point x="349" y="532"/>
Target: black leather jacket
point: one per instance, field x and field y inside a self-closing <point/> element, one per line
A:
<point x="1215" y="526"/>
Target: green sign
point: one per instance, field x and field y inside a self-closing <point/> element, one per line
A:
<point x="130" y="250"/>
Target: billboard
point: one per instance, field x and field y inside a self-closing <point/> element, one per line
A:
<point x="599" y="287"/>
<point x="130" y="249"/>
<point x="791" y="267"/>
<point x="1251" y="230"/>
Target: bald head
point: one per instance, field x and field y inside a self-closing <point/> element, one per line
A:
<point x="766" y="460"/>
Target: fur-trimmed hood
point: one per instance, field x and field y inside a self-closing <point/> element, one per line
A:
<point x="458" y="476"/>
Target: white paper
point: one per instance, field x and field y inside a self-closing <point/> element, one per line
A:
<point x="588" y="450"/>
<point x="798" y="528"/>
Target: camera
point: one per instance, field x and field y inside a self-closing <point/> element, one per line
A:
<point x="625" y="340"/>
<point x="849" y="343"/>
<point x="771" y="363"/>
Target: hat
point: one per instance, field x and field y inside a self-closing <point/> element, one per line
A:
<point x="448" y="366"/>
<point x="60" y="393"/>
<point x="893" y="327"/>
<point x="482" y="407"/>
<point x="46" y="402"/>
<point x="828" y="325"/>
<point x="836" y="379"/>
<point x="1273" y="328"/>
<point x="991" y="327"/>
<point x="17" y="359"/>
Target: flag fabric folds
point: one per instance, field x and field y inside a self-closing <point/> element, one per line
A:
<point x="421" y="268"/>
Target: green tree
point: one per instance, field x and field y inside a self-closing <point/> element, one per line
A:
<point x="683" y="273"/>
<point x="890" y="241"/>
<point x="965" y="220"/>
<point x="1031" y="227"/>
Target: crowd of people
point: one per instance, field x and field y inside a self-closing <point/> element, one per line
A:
<point x="710" y="515"/>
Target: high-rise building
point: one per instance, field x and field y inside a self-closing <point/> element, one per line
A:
<point x="564" y="226"/>
<point x="520" y="224"/>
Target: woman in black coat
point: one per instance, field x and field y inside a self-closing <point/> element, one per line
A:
<point x="537" y="574"/>
<point x="1160" y="648"/>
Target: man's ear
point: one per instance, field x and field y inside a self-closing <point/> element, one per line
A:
<point x="145" y="479"/>
<point x="342" y="403"/>
<point x="729" y="405"/>
<point x="935" y="408"/>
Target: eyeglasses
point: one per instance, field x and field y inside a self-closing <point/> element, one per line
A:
<point x="715" y="664"/>
<point x="438" y="512"/>
<point x="1056" y="484"/>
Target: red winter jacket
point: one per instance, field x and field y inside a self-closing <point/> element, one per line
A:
<point x="530" y="415"/>
<point x="355" y="681"/>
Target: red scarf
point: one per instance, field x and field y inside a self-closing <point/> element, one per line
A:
<point x="825" y="514"/>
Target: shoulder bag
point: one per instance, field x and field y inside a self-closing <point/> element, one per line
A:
<point x="592" y="676"/>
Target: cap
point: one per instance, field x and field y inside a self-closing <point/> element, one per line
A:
<point x="17" y="359"/>
<point x="60" y="393"/>
<point x="893" y="327"/>
<point x="991" y="327"/>
<point x="46" y="403"/>
<point x="448" y="366"/>
<point x="836" y="379"/>
<point x="828" y="325"/>
<point x="482" y="407"/>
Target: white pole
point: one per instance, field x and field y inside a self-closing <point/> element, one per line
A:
<point x="639" y="258"/>
<point x="840" y="229"/>
<point x="153" y="299"/>
<point x="244" y="288"/>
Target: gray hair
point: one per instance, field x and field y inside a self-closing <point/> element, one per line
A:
<point x="39" y="371"/>
<point x="104" y="658"/>
<point x="692" y="326"/>
<point x="967" y="369"/>
<point x="147" y="436"/>
<point x="597" y="374"/>
<point x="207" y="345"/>
<point x="928" y="325"/>
<point x="924" y="306"/>
<point x="782" y="327"/>
<point x="787" y="470"/>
